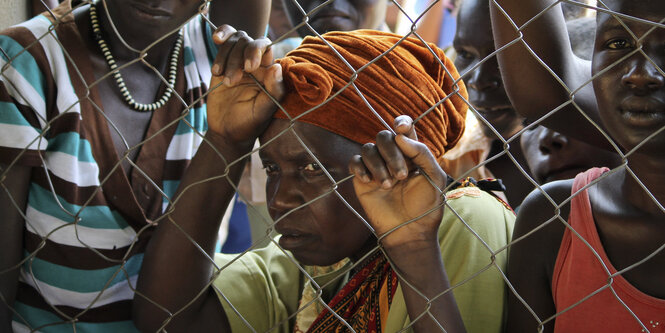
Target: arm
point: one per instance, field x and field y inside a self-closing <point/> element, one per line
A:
<point x="548" y="38"/>
<point x="247" y="15"/>
<point x="389" y="201"/>
<point x="174" y="271"/>
<point x="531" y="260"/>
<point x="16" y="182"/>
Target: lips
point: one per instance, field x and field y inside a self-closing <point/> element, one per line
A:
<point x="293" y="239"/>
<point x="642" y="111"/>
<point x="565" y="172"/>
<point x="150" y="12"/>
<point x="495" y="112"/>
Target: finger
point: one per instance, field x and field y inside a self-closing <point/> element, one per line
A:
<point x="422" y="157"/>
<point x="219" y="37"/>
<point x="222" y="33"/>
<point x="376" y="166"/>
<point x="357" y="168"/>
<point x="404" y="125"/>
<point x="392" y="155"/>
<point x="274" y="82"/>
<point x="230" y="55"/>
<point x="254" y="52"/>
<point x="268" y="57"/>
<point x="235" y="59"/>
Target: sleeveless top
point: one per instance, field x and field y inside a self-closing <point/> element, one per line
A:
<point x="581" y="280"/>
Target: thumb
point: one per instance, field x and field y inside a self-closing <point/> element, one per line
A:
<point x="404" y="125"/>
<point x="422" y="158"/>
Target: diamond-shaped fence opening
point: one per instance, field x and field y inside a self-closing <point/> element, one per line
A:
<point x="124" y="175"/>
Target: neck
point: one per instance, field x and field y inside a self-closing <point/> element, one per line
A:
<point x="650" y="173"/>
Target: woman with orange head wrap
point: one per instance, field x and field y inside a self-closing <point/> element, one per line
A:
<point x="385" y="249"/>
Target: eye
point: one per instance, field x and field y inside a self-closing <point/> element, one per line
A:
<point x="270" y="168"/>
<point x="464" y="55"/>
<point x="618" y="44"/>
<point x="312" y="168"/>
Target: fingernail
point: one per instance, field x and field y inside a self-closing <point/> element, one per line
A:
<point x="365" y="179"/>
<point x="386" y="184"/>
<point x="279" y="77"/>
<point x="226" y="81"/>
<point x="220" y="35"/>
<point x="401" y="174"/>
<point x="248" y="65"/>
<point x="255" y="63"/>
<point x="215" y="69"/>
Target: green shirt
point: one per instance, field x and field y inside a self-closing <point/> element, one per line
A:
<point x="265" y="285"/>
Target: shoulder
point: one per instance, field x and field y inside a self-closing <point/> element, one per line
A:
<point x="473" y="217"/>
<point x="539" y="227"/>
<point x="543" y="204"/>
<point x="477" y="208"/>
<point x="261" y="285"/>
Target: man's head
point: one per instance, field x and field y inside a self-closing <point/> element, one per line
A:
<point x="630" y="87"/>
<point x="333" y="122"/>
<point x="338" y="15"/>
<point x="474" y="43"/>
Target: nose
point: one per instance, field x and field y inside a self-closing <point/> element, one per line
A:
<point x="551" y="142"/>
<point x="642" y="77"/>
<point x="283" y="196"/>
<point x="486" y="76"/>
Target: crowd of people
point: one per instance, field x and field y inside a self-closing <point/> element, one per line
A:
<point x="505" y="183"/>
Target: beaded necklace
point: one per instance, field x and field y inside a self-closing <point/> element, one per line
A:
<point x="173" y="67"/>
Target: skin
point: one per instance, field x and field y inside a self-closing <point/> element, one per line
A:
<point x="384" y="191"/>
<point x="314" y="234"/>
<point x="522" y="72"/>
<point x="153" y="23"/>
<point x="553" y="156"/>
<point x="339" y="15"/>
<point x="629" y="222"/>
<point x="474" y="43"/>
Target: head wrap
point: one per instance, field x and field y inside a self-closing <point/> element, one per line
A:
<point x="407" y="80"/>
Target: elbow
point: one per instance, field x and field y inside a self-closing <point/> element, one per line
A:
<point x="147" y="316"/>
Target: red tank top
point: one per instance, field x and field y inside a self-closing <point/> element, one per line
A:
<point x="579" y="274"/>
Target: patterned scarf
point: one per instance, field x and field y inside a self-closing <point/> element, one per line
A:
<point x="363" y="302"/>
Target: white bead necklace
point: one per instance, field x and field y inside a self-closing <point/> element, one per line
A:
<point x="173" y="67"/>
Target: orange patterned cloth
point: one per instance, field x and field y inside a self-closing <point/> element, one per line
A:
<point x="364" y="301"/>
<point x="408" y="79"/>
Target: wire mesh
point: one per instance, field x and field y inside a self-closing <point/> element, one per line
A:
<point x="85" y="217"/>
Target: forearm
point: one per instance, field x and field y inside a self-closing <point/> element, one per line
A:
<point x="422" y="267"/>
<point x="14" y="185"/>
<point x="250" y="16"/>
<point x="175" y="270"/>
<point x="521" y="70"/>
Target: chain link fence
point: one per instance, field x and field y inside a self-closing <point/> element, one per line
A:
<point x="85" y="226"/>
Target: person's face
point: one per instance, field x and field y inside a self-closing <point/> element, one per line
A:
<point x="324" y="230"/>
<point x="339" y="15"/>
<point x="552" y="156"/>
<point x="149" y="18"/>
<point x="631" y="94"/>
<point x="473" y="42"/>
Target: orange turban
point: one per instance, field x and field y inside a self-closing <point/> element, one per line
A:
<point x="407" y="80"/>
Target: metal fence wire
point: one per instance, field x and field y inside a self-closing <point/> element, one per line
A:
<point x="73" y="226"/>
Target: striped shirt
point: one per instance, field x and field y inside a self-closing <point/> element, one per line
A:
<point x="83" y="240"/>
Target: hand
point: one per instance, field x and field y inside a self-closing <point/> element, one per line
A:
<point x="238" y="109"/>
<point x="392" y="189"/>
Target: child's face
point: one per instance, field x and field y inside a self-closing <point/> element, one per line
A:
<point x="631" y="94"/>
<point x="553" y="156"/>
<point x="473" y="42"/>
<point x="339" y="15"/>
<point x="324" y="230"/>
